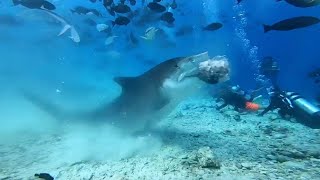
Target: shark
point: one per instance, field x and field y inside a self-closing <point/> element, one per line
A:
<point x="144" y="99"/>
<point x="74" y="35"/>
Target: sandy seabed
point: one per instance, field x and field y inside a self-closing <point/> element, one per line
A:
<point x="194" y="142"/>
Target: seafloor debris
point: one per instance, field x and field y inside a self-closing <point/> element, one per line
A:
<point x="204" y="158"/>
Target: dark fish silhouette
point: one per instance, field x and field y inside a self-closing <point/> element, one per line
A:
<point x="302" y="3"/>
<point x="156" y="7"/>
<point x="84" y="10"/>
<point x="144" y="99"/>
<point x="121" y="8"/>
<point x="167" y="17"/>
<point x="44" y="176"/>
<point x="35" y="4"/>
<point x="174" y="5"/>
<point x="213" y="27"/>
<point x="292" y="23"/>
<point x="121" y="20"/>
<point x="80" y="10"/>
<point x="107" y="3"/>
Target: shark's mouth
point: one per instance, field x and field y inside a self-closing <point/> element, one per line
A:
<point x="201" y="66"/>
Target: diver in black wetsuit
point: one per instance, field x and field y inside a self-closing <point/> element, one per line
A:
<point x="294" y="105"/>
<point x="278" y="100"/>
<point x="234" y="96"/>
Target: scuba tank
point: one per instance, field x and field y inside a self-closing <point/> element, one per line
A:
<point x="310" y="114"/>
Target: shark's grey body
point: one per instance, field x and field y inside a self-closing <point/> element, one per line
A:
<point x="145" y="98"/>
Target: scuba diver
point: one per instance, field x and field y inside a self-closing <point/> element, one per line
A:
<point x="269" y="68"/>
<point x="239" y="99"/>
<point x="293" y="105"/>
<point x="315" y="75"/>
<point x="279" y="100"/>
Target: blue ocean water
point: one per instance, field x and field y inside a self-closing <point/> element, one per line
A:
<point x="78" y="76"/>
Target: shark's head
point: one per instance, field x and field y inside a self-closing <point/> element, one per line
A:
<point x="201" y="67"/>
<point x="176" y="69"/>
<point x="147" y="98"/>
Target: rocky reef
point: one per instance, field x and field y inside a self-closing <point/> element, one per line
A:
<point x="198" y="142"/>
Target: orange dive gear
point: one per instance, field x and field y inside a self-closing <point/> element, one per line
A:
<point x="252" y="106"/>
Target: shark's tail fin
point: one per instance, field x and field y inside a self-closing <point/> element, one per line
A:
<point x="267" y="28"/>
<point x="64" y="29"/>
<point x="50" y="108"/>
<point x="66" y="26"/>
<point x="61" y="114"/>
<point x="74" y="35"/>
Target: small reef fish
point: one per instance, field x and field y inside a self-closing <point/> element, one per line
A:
<point x="302" y="3"/>
<point x="150" y="33"/>
<point x="107" y="3"/>
<point x="167" y="17"/>
<point x="213" y="27"/>
<point x="121" y="8"/>
<point x="156" y="7"/>
<point x="44" y="176"/>
<point x="174" y="5"/>
<point x="110" y="40"/>
<point x="101" y="27"/>
<point x="84" y="10"/>
<point x="121" y="21"/>
<point x="35" y="4"/>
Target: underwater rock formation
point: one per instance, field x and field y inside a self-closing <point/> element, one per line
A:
<point x="203" y="158"/>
